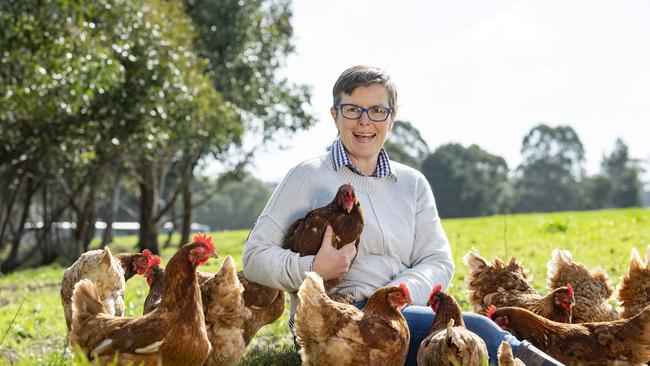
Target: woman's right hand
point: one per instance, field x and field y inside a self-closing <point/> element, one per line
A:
<point x="330" y="262"/>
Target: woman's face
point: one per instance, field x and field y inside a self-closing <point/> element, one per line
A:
<point x="362" y="137"/>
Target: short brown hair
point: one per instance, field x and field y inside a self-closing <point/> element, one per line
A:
<point x="362" y="75"/>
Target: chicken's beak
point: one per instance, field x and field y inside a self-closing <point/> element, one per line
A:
<point x="214" y="255"/>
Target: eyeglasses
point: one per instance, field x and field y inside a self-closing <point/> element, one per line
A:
<point x="376" y="114"/>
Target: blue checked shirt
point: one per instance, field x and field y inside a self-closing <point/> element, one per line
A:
<point x="340" y="158"/>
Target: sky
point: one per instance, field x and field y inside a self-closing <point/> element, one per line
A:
<point x="480" y="72"/>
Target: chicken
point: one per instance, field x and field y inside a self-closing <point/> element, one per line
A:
<point x="266" y="305"/>
<point x="134" y="263"/>
<point x="155" y="279"/>
<point x="449" y="342"/>
<point x="507" y="285"/>
<point x="505" y="356"/>
<point x="343" y="214"/>
<point x="225" y="313"/>
<point x="634" y="288"/>
<point x="335" y="333"/>
<point x="173" y="334"/>
<point x="601" y="343"/>
<point x="100" y="267"/>
<point x="592" y="289"/>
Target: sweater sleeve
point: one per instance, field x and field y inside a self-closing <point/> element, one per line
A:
<point x="264" y="260"/>
<point x="431" y="260"/>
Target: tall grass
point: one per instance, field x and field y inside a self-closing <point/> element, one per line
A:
<point x="37" y="336"/>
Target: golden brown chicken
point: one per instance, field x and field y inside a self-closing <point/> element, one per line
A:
<point x="505" y="356"/>
<point x="225" y="313"/>
<point x="592" y="288"/>
<point x="134" y="263"/>
<point x="449" y="342"/>
<point x="626" y="340"/>
<point x="634" y="287"/>
<point x="334" y="333"/>
<point x="266" y="305"/>
<point x="503" y="284"/>
<point x="172" y="334"/>
<point x="100" y="267"/>
<point x="343" y="214"/>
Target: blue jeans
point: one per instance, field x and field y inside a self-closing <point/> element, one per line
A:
<point x="419" y="319"/>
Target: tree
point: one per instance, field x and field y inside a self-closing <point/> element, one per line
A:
<point x="237" y="204"/>
<point x="466" y="181"/>
<point x="623" y="174"/>
<point x="406" y="145"/>
<point x="547" y="180"/>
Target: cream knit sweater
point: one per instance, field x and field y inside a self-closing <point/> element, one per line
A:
<point x="402" y="241"/>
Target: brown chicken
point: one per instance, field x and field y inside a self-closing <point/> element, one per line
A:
<point x="134" y="263"/>
<point x="225" y="313"/>
<point x="503" y="284"/>
<point x="449" y="342"/>
<point x="626" y="340"/>
<point x="343" y="214"/>
<point x="634" y="287"/>
<point x="172" y="334"/>
<point x="592" y="288"/>
<point x="505" y="356"/>
<point x="334" y="333"/>
<point x="155" y="279"/>
<point x="100" y="267"/>
<point x="266" y="305"/>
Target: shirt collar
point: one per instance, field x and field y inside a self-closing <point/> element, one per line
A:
<point x="340" y="158"/>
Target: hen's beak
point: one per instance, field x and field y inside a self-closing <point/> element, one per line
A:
<point x="214" y="255"/>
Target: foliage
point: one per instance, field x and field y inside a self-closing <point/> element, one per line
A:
<point x="465" y="181"/>
<point x="237" y="205"/>
<point x="547" y="179"/>
<point x="406" y="145"/>
<point x="596" y="238"/>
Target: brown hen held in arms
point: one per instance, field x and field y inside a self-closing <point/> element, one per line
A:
<point x="343" y="214"/>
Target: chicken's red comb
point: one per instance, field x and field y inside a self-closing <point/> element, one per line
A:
<point x="491" y="311"/>
<point x="436" y="288"/>
<point x="204" y="239"/>
<point x="152" y="259"/>
<point x="570" y="288"/>
<point x="406" y="290"/>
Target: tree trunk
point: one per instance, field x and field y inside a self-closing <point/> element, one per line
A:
<point x="148" y="199"/>
<point x="113" y="205"/>
<point x="186" y="228"/>
<point x="12" y="262"/>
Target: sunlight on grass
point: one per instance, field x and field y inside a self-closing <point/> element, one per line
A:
<point x="603" y="238"/>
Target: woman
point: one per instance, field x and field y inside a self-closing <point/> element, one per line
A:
<point x="403" y="239"/>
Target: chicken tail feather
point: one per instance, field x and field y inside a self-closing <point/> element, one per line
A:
<point x="474" y="261"/>
<point x="85" y="301"/>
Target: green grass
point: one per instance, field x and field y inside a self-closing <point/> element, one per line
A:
<point x="604" y="238"/>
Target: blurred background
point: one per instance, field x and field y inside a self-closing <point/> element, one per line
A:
<point x="153" y="117"/>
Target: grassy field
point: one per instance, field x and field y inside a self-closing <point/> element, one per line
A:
<point x="605" y="238"/>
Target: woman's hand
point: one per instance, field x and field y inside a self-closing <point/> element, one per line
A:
<point x="330" y="262"/>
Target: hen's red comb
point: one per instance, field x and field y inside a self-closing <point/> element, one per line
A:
<point x="491" y="311"/>
<point x="152" y="259"/>
<point x="204" y="239"/>
<point x="436" y="288"/>
<point x="570" y="288"/>
<point x="406" y="290"/>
